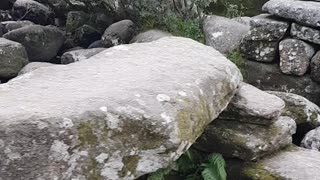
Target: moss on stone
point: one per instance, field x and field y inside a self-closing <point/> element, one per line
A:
<point x="130" y="164"/>
<point x="92" y="171"/>
<point x="86" y="134"/>
<point x="314" y="116"/>
<point x="296" y="112"/>
<point x="258" y="172"/>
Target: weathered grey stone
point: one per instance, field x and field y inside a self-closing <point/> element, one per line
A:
<point x="299" y="109"/>
<point x="13" y="57"/>
<point x="33" y="66"/>
<point x="119" y="33"/>
<point x="223" y="34"/>
<point x="305" y="33"/>
<point x="254" y="106"/>
<point x="118" y="115"/>
<point x="149" y="36"/>
<point x="41" y="42"/>
<point x="295" y="56"/>
<point x="32" y="11"/>
<point x="293" y="164"/>
<point x="315" y="67"/>
<point x="269" y="77"/>
<point x="79" y="55"/>
<point x="263" y="51"/>
<point x="266" y="27"/>
<point x="312" y="140"/>
<point x="246" y="141"/>
<point x="303" y="12"/>
<point x="12" y="25"/>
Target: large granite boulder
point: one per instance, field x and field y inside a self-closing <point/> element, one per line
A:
<point x="234" y="139"/>
<point x="303" y="12"/>
<point x="13" y="57"/>
<point x="305" y="33"/>
<point x="223" y="34"/>
<point x="33" y="11"/>
<point x="295" y="56"/>
<point x="122" y="113"/>
<point x="269" y="77"/>
<point x="41" y="42"/>
<point x="252" y="105"/>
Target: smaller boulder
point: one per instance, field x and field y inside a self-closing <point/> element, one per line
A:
<point x="12" y="25"/>
<point x="262" y="51"/>
<point x="85" y="35"/>
<point x="119" y="33"/>
<point x="223" y="34"/>
<point x="33" y="11"/>
<point x="245" y="20"/>
<point x="305" y="33"/>
<point x="149" y="36"/>
<point x="246" y="141"/>
<point x="252" y="105"/>
<point x="315" y="67"/>
<point x="13" y="57"/>
<point x="295" y="56"/>
<point x="33" y="66"/>
<point x="79" y="55"/>
<point x="41" y="42"/>
<point x="267" y="28"/>
<point x="299" y="109"/>
<point x="312" y="140"/>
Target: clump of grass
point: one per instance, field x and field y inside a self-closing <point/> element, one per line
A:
<point x="178" y="26"/>
<point x="236" y="57"/>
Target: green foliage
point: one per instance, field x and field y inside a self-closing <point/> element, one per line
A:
<point x="236" y="57"/>
<point x="195" y="165"/>
<point x="178" y="26"/>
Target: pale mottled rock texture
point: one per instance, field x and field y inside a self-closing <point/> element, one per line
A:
<point x="295" y="56"/>
<point x="312" y="140"/>
<point x="33" y="66"/>
<point x="118" y="115"/>
<point x="305" y="33"/>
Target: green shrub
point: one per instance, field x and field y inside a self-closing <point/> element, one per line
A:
<point x="195" y="165"/>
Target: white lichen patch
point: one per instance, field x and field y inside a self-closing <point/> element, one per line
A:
<point x="216" y="34"/>
<point x="167" y="118"/>
<point x="182" y="93"/>
<point x="103" y="109"/>
<point x="59" y="151"/>
<point x="66" y="123"/>
<point x="163" y="98"/>
<point x="102" y="158"/>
